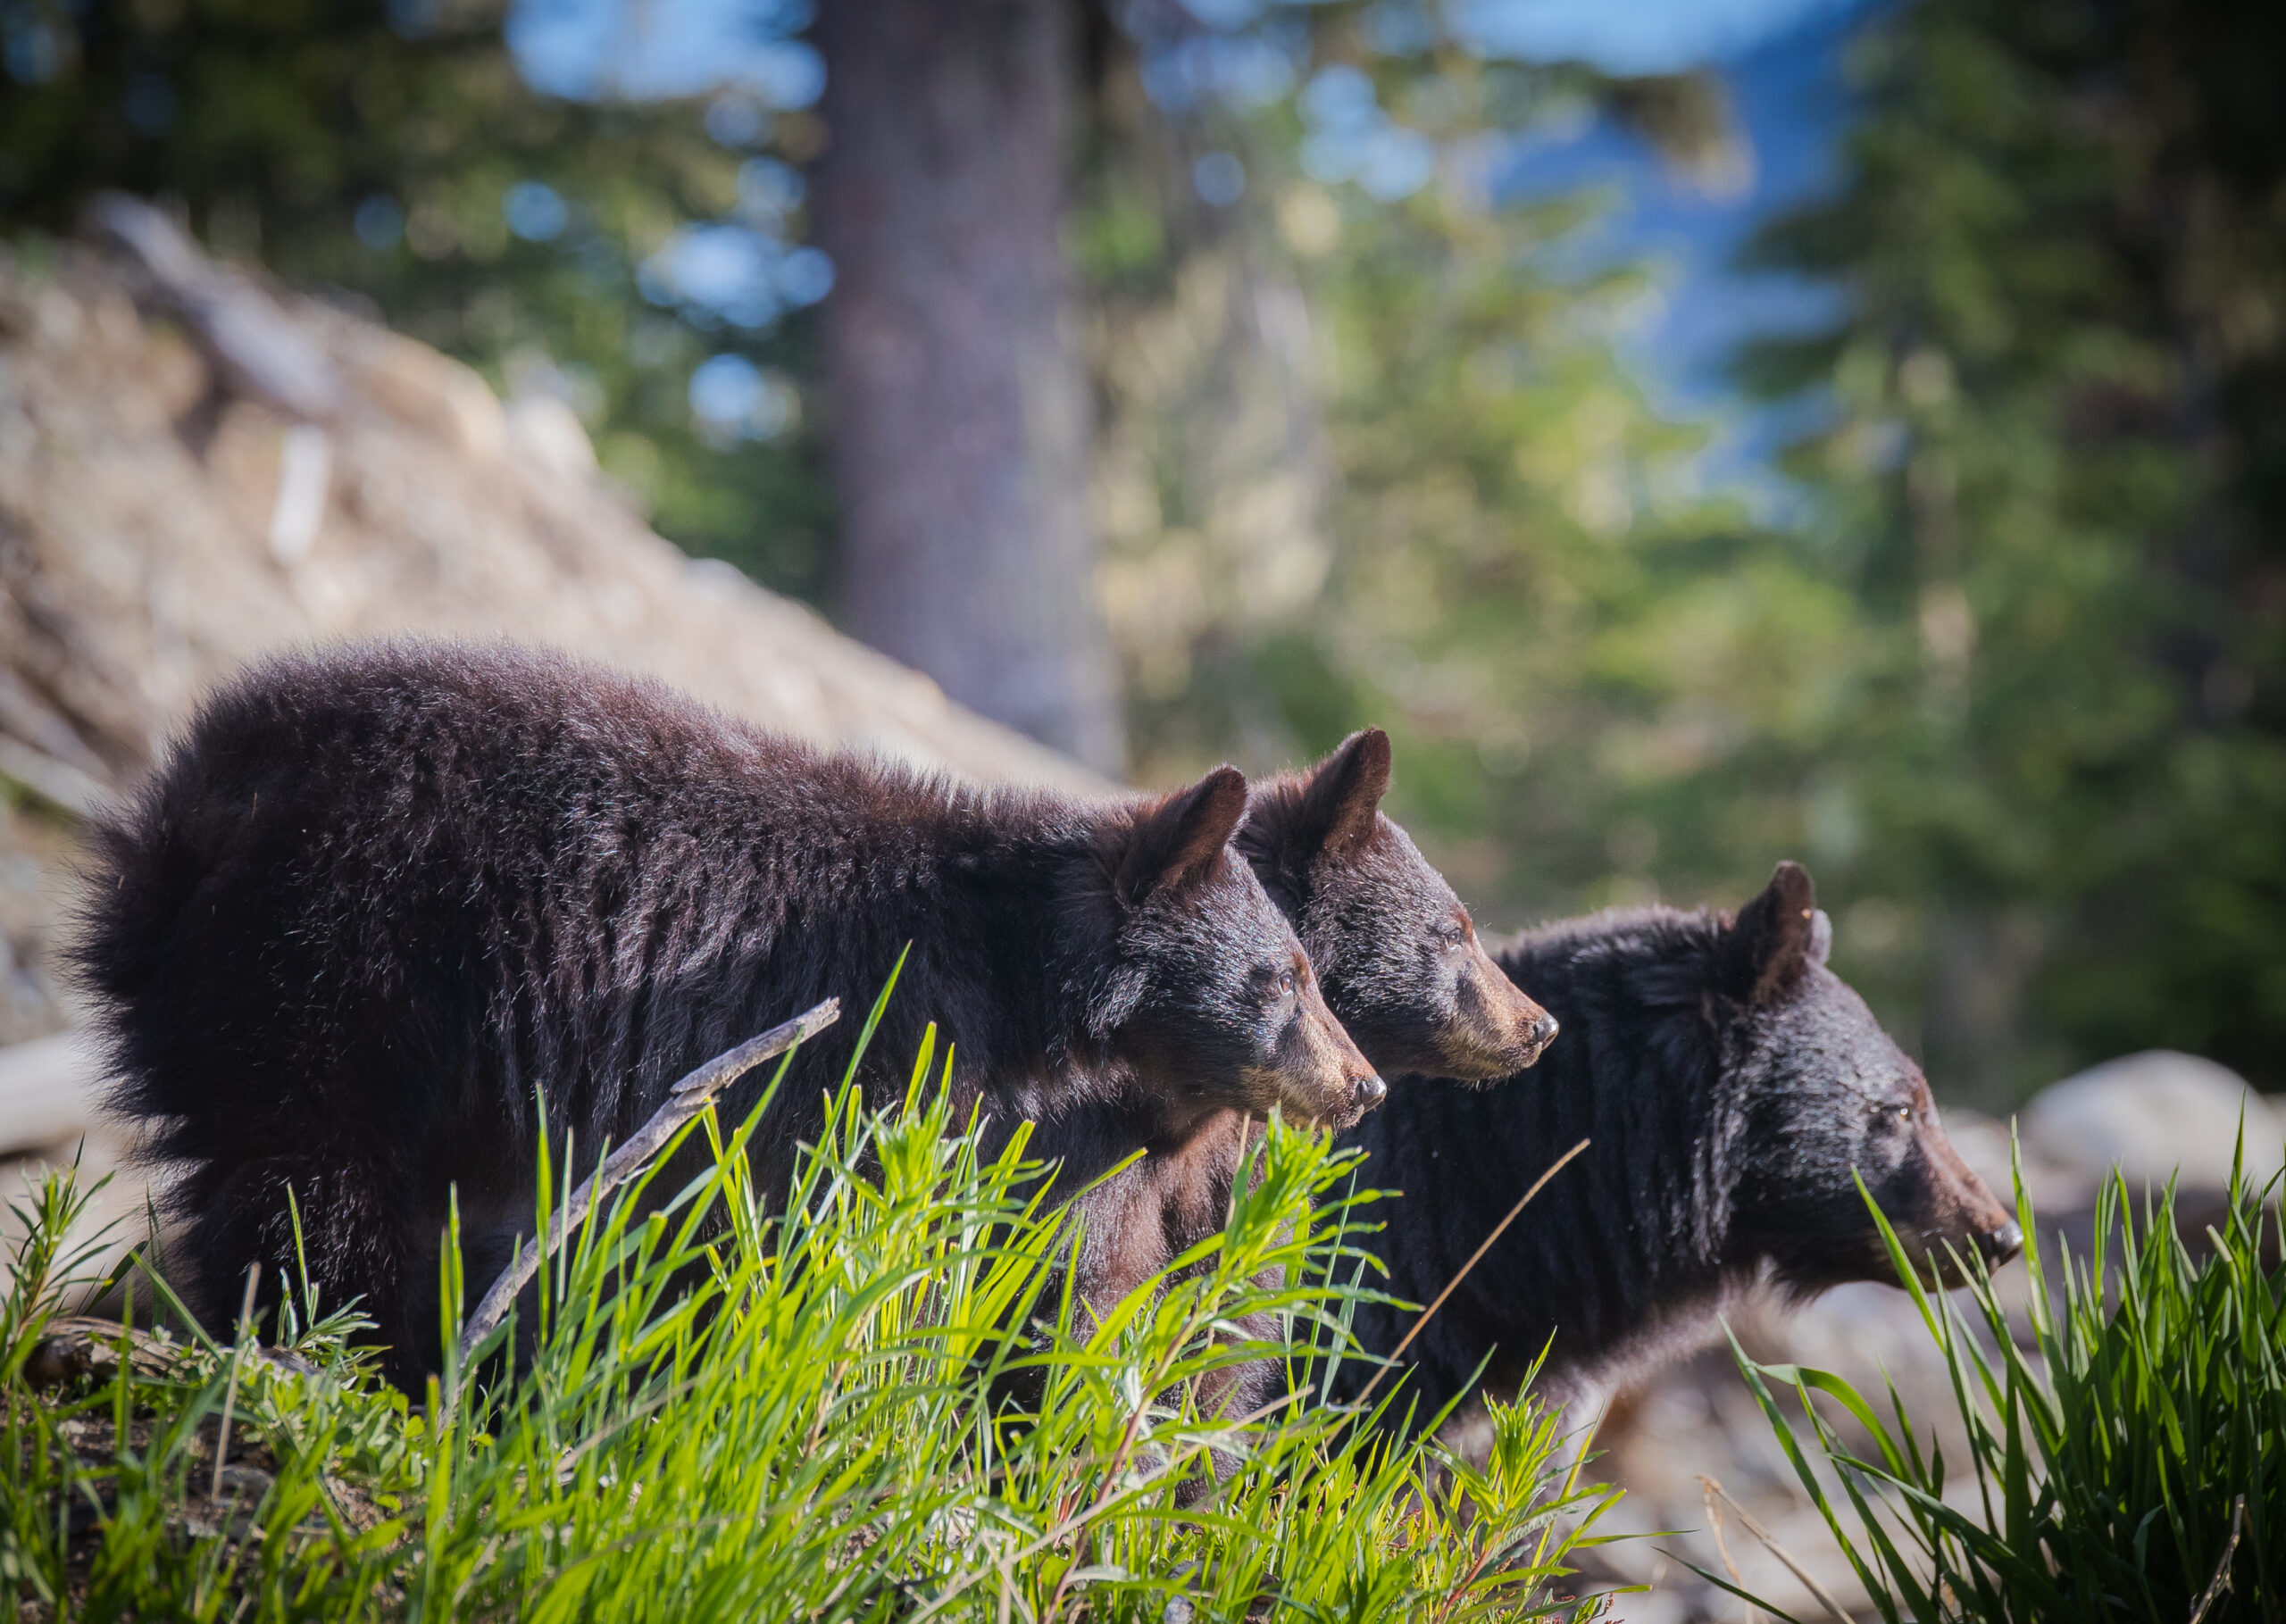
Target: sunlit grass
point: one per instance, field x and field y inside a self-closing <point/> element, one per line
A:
<point x="2127" y="1460"/>
<point x="874" y="1399"/>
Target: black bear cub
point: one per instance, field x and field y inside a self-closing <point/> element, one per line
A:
<point x="1395" y="950"/>
<point x="376" y="901"/>
<point x="1729" y="1085"/>
<point x="1400" y="964"/>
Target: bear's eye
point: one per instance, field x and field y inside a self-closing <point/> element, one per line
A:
<point x="1904" y="1113"/>
<point x="1286" y="985"/>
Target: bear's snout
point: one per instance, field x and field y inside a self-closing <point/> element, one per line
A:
<point x="1342" y="1105"/>
<point x="1949" y="1213"/>
<point x="1362" y="1089"/>
<point x="1365" y="1093"/>
<point x="2000" y="1245"/>
<point x="1499" y="1029"/>
<point x="1321" y="1074"/>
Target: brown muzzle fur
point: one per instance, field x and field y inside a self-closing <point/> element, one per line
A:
<point x="1320" y="1075"/>
<point x="1955" y="1215"/>
<point x="1501" y="1028"/>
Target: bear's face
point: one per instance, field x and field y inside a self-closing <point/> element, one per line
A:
<point x="1218" y="1007"/>
<point x="1821" y="1098"/>
<point x="1403" y="966"/>
<point x="1396" y="952"/>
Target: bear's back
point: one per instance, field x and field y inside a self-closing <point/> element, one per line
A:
<point x="382" y="895"/>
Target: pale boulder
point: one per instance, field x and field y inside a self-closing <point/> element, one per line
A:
<point x="2154" y="1115"/>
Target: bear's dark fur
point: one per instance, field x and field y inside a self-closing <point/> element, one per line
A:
<point x="376" y="900"/>
<point x="1393" y="947"/>
<point x="1728" y="1083"/>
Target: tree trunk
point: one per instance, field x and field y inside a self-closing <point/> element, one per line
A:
<point x="960" y="408"/>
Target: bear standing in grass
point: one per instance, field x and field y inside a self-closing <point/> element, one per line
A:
<point x="376" y="904"/>
<point x="1397" y="956"/>
<point x="1732" y="1089"/>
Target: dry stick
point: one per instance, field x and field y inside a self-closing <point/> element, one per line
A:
<point x="1722" y="1546"/>
<point x="1824" y="1596"/>
<point x="685" y="1101"/>
<point x="230" y="1393"/>
<point x="1452" y="1284"/>
<point x="2222" y="1580"/>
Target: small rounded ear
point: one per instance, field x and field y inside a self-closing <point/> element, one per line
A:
<point x="1176" y="842"/>
<point x="1774" y="939"/>
<point x="1345" y="791"/>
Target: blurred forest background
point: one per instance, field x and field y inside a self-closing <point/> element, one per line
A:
<point x="1701" y="434"/>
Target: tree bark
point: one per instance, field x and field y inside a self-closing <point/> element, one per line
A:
<point x="960" y="405"/>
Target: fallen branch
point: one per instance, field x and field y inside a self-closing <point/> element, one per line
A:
<point x="2222" y="1580"/>
<point x="81" y="1348"/>
<point x="260" y="352"/>
<point x="685" y="1101"/>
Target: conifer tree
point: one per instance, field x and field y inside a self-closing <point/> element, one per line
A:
<point x="2053" y="475"/>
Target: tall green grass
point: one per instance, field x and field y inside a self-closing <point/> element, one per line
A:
<point x="2127" y="1461"/>
<point x="876" y="1398"/>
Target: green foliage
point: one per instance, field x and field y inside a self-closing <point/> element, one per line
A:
<point x="2011" y="676"/>
<point x="272" y="125"/>
<point x="2130" y="1455"/>
<point x="2047" y="472"/>
<point x="1603" y="682"/>
<point x="881" y="1401"/>
<point x="1603" y="674"/>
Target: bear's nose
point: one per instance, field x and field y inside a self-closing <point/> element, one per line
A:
<point x="2004" y="1242"/>
<point x="1544" y="1029"/>
<point x="1372" y="1091"/>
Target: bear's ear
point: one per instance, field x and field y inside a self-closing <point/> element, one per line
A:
<point x="1176" y="842"/>
<point x="1775" y="938"/>
<point x="1344" y="794"/>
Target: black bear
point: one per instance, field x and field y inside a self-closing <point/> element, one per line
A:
<point x="376" y="901"/>
<point x="1730" y="1085"/>
<point x="1399" y="958"/>
<point x="1395" y="950"/>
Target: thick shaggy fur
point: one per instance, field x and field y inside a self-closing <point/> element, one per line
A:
<point x="379" y="901"/>
<point x="1396" y="952"/>
<point x="1728" y="1083"/>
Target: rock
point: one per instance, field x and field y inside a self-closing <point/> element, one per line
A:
<point x="246" y="1482"/>
<point x="58" y="783"/>
<point x="2154" y="1115"/>
<point x="415" y="384"/>
<point x="547" y="431"/>
<point x="49" y="1091"/>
